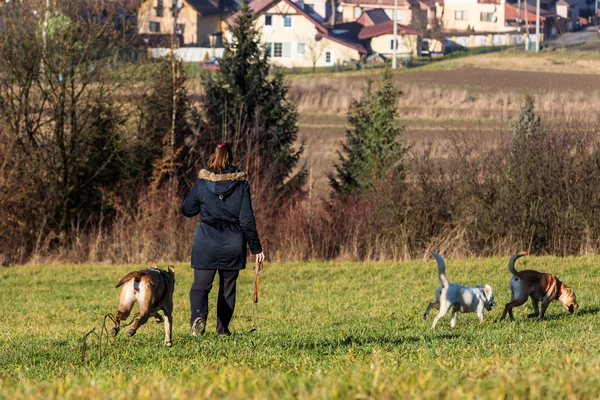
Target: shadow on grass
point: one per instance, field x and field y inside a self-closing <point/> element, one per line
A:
<point x="360" y="341"/>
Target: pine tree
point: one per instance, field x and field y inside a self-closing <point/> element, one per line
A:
<point x="373" y="147"/>
<point x="246" y="105"/>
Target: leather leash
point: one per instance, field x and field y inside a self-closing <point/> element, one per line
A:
<point x="257" y="268"/>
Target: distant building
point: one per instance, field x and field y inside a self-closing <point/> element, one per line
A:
<point x="295" y="35"/>
<point x="199" y="22"/>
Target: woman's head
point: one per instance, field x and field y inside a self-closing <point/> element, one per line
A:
<point x="221" y="159"/>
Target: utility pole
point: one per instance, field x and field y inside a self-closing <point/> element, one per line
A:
<point x="395" y="45"/>
<point x="519" y="16"/>
<point x="174" y="71"/>
<point x="526" y="25"/>
<point x="537" y="26"/>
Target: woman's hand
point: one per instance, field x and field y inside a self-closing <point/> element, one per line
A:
<point x="260" y="257"/>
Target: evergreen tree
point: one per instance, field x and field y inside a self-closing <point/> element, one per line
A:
<point x="529" y="172"/>
<point x="373" y="147"/>
<point x="246" y="105"/>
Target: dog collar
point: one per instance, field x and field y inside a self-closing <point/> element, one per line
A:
<point x="559" y="290"/>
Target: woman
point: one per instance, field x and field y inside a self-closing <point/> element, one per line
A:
<point x="221" y="196"/>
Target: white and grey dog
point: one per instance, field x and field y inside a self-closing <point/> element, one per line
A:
<point x="458" y="298"/>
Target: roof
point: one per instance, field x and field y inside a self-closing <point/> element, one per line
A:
<point x="385" y="28"/>
<point x="259" y="7"/>
<point x="511" y="13"/>
<point x="376" y="16"/>
<point x="211" y="7"/>
<point x="382" y="3"/>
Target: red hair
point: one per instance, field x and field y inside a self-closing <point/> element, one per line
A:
<point x="221" y="158"/>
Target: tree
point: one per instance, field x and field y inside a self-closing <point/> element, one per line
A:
<point x="313" y="50"/>
<point x="529" y="172"/>
<point x="373" y="148"/>
<point x="245" y="104"/>
<point x="57" y="105"/>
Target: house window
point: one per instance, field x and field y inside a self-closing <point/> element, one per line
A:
<point x="287" y="21"/>
<point x="268" y="20"/>
<point x="159" y="8"/>
<point x="154" y="26"/>
<point x="279" y="49"/>
<point x="328" y="56"/>
<point x="180" y="29"/>
<point x="461" y="15"/>
<point x="301" y="48"/>
<point x="484" y="16"/>
<point x="392" y="44"/>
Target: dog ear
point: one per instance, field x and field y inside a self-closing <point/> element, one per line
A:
<point x="487" y="289"/>
<point x="171" y="269"/>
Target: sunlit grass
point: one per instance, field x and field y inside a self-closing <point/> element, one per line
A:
<point x="326" y="330"/>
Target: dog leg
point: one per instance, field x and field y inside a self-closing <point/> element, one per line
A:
<point x="141" y="320"/>
<point x="536" y="309"/>
<point x="168" y="311"/>
<point x="431" y="305"/>
<point x="168" y="330"/>
<point x="158" y="318"/>
<point x="127" y="300"/>
<point x="444" y="308"/>
<point x="545" y="305"/>
<point x="453" y="318"/>
<point x="480" y="316"/>
<point x="509" y="306"/>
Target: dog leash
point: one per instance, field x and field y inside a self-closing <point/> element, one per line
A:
<point x="103" y="344"/>
<point x="257" y="268"/>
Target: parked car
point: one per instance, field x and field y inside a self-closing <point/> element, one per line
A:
<point x="212" y="64"/>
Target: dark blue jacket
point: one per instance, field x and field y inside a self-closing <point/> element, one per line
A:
<point x="227" y="223"/>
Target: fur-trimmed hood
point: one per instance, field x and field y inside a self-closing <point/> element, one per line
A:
<point x="222" y="184"/>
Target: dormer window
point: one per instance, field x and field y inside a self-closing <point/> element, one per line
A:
<point x="268" y="20"/>
<point x="287" y="21"/>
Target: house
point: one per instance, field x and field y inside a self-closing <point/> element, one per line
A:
<point x="381" y="39"/>
<point x="199" y="22"/>
<point x="409" y="12"/>
<point x="493" y="16"/>
<point x="294" y="34"/>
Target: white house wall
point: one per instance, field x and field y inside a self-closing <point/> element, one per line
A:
<point x="301" y="32"/>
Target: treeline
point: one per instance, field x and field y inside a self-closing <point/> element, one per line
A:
<point x="98" y="145"/>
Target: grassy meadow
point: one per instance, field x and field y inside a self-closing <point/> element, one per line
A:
<point x="326" y="330"/>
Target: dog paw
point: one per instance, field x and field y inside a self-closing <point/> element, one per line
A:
<point x="168" y="344"/>
<point x="425" y="316"/>
<point x="114" y="332"/>
<point x="130" y="333"/>
<point x="534" y="315"/>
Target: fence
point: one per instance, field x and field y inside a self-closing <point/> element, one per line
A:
<point x="489" y="39"/>
<point x="189" y="54"/>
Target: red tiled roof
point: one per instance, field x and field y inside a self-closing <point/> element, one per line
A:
<point x="385" y="28"/>
<point x="511" y="13"/>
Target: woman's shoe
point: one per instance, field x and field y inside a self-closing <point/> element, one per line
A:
<point x="198" y="327"/>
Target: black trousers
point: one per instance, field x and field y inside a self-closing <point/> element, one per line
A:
<point x="203" y="281"/>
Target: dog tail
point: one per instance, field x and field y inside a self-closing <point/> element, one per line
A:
<point x="441" y="269"/>
<point x="132" y="275"/>
<point x="511" y="263"/>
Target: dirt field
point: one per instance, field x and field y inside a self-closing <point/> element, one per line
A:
<point x="498" y="79"/>
<point x="454" y="99"/>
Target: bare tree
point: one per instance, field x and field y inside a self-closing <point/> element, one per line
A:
<point x="59" y="77"/>
<point x="313" y="49"/>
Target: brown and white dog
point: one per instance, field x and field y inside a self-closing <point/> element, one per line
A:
<point x="153" y="289"/>
<point x="540" y="287"/>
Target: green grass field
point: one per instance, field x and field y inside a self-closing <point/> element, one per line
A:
<point x="326" y="330"/>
